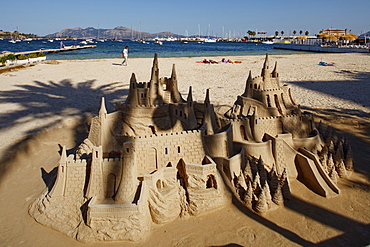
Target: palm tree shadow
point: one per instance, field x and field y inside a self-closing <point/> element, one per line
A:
<point x="355" y="87"/>
<point x="48" y="103"/>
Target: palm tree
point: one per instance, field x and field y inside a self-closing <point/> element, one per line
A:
<point x="276" y="33"/>
<point x="294" y="32"/>
<point x="282" y="33"/>
<point x="300" y="32"/>
<point x="306" y="33"/>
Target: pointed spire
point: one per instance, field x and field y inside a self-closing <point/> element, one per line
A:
<point x="266" y="190"/>
<point x="132" y="94"/>
<point x="248" y="174"/>
<point x="173" y="74"/>
<point x="152" y="95"/>
<point x="190" y="96"/>
<point x="208" y="118"/>
<point x="173" y="87"/>
<point x="192" y="120"/>
<point x="341" y="170"/>
<point x="248" y="197"/>
<point x="265" y="74"/>
<point x="278" y="196"/>
<point x="207" y="100"/>
<point x="133" y="80"/>
<point x="103" y="110"/>
<point x="59" y="185"/>
<point x="155" y="60"/>
<point x="248" y="87"/>
<point x="274" y="72"/>
<point x="241" y="180"/>
<point x="155" y="69"/>
<point x="266" y="63"/>
<point x="261" y="206"/>
<point x="63" y="156"/>
<point x="333" y="175"/>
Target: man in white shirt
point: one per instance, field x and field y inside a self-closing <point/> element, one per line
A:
<point x="125" y="56"/>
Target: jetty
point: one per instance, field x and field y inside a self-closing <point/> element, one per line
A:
<point x="321" y="48"/>
<point x="48" y="51"/>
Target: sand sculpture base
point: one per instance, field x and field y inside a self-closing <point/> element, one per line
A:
<point x="159" y="157"/>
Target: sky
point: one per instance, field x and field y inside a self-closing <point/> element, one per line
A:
<point x="222" y="18"/>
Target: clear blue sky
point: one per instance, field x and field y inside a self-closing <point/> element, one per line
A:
<point x="233" y="16"/>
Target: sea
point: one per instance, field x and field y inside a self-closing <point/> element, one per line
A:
<point x="113" y="49"/>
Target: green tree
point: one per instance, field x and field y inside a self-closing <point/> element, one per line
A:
<point x="276" y="33"/>
<point x="282" y="33"/>
<point x="300" y="32"/>
<point x="294" y="32"/>
<point x="306" y="33"/>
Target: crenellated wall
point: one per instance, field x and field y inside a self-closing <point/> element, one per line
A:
<point x="156" y="151"/>
<point x="299" y="125"/>
<point x="75" y="178"/>
<point x="124" y="221"/>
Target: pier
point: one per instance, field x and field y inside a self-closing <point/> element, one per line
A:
<point x="319" y="48"/>
<point x="47" y="51"/>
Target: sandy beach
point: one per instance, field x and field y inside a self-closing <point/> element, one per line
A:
<point x="50" y="104"/>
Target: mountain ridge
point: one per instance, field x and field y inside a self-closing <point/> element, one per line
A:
<point x="118" y="32"/>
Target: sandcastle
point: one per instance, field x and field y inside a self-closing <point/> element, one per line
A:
<point x="158" y="157"/>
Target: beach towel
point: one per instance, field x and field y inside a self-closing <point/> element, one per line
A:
<point x="326" y="64"/>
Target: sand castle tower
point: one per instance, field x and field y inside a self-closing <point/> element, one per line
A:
<point x="155" y="92"/>
<point x="265" y="94"/>
<point x="129" y="182"/>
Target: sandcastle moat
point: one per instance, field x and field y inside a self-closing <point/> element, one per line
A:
<point x="159" y="156"/>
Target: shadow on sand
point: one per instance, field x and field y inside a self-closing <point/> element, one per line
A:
<point x="53" y="102"/>
<point x="355" y="87"/>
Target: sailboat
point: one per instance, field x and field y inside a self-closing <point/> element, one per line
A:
<point x="208" y="39"/>
<point x="11" y="38"/>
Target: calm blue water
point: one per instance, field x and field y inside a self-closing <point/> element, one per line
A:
<point x="113" y="49"/>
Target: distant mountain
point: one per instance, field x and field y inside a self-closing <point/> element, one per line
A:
<point x="116" y="33"/>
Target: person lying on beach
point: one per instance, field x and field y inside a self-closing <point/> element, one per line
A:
<point x="229" y="61"/>
<point x="326" y="64"/>
<point x="209" y="61"/>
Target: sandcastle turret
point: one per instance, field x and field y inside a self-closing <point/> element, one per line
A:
<point x="152" y="97"/>
<point x="266" y="71"/>
<point x="209" y="118"/>
<point x="192" y="121"/>
<point x="248" y="92"/>
<point x="59" y="186"/>
<point x="103" y="116"/>
<point x="132" y="93"/>
<point x="129" y="182"/>
<point x="173" y="87"/>
<point x="95" y="186"/>
<point x="274" y="73"/>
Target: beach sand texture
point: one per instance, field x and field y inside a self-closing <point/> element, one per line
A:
<point x="50" y="104"/>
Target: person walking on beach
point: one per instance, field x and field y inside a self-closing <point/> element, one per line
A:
<point x="125" y="56"/>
